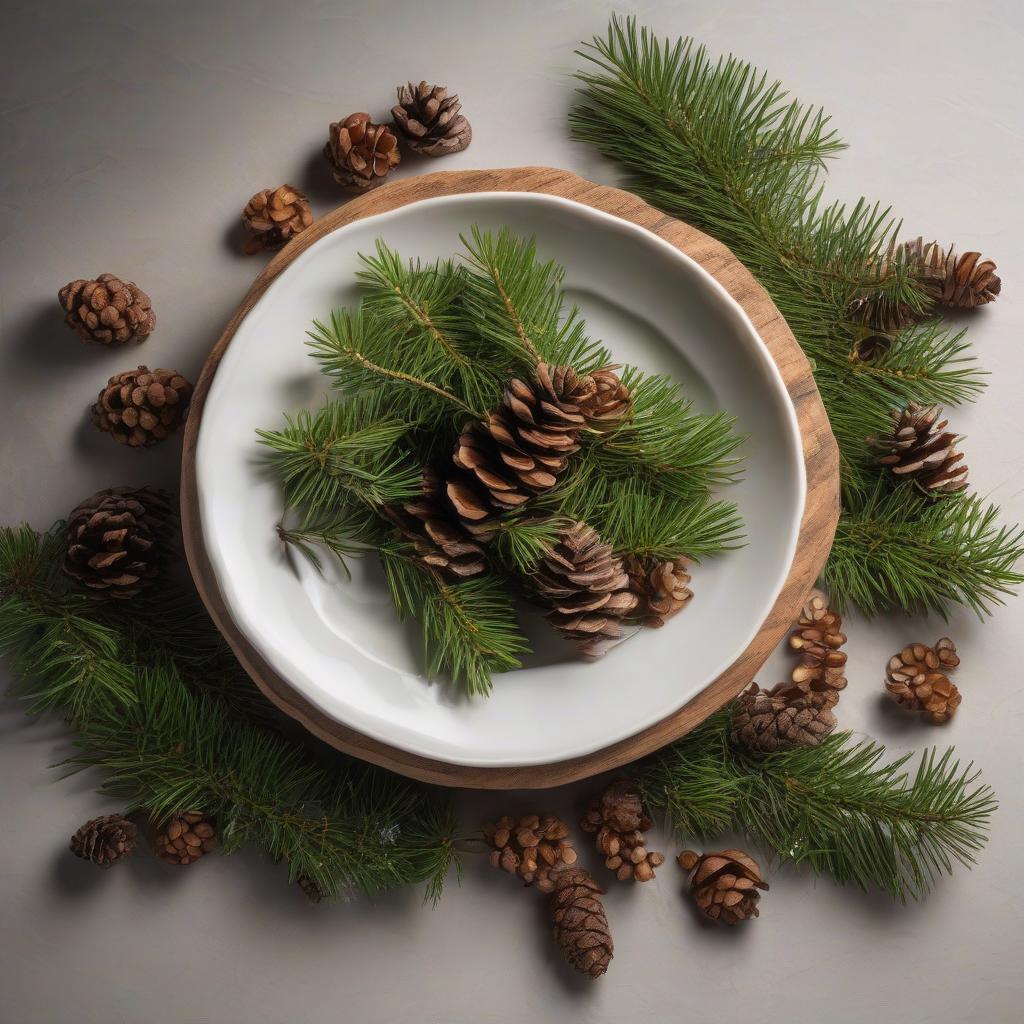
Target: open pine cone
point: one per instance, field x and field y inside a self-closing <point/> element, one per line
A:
<point x="361" y="153"/>
<point x="586" y="590"/>
<point x="619" y="821"/>
<point x="724" y="885"/>
<point x="428" y="119"/>
<point x="662" y="588"/>
<point x="916" y="678"/>
<point x="922" y="450"/>
<point x="186" y="838"/>
<point x="274" y="216"/>
<point x="580" y="923"/>
<point x="961" y="282"/>
<point x="107" y="310"/>
<point x="104" y="840"/>
<point x="117" y="540"/>
<point x="142" y="407"/>
<point x="764" y="724"/>
<point x="534" y="848"/>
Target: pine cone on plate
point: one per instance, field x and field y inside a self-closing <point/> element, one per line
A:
<point x="920" y="449"/>
<point x="107" y="310"/>
<point x="142" y="407"/>
<point x="724" y="885"/>
<point x="961" y="282"/>
<point x="104" y="840"/>
<point x="580" y="923"/>
<point x="439" y="538"/>
<point x="428" y="120"/>
<point x="534" y="848"/>
<point x="618" y="821"/>
<point x="916" y="678"/>
<point x="186" y="838"/>
<point x="361" y="153"/>
<point x="662" y="587"/>
<point x="612" y="403"/>
<point x="274" y="216"/>
<point x="764" y="724"/>
<point x="586" y="590"/>
<point x="117" y="540"/>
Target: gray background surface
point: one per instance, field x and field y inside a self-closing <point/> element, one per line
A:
<point x="132" y="135"/>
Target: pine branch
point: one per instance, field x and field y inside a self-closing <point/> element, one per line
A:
<point x="521" y="542"/>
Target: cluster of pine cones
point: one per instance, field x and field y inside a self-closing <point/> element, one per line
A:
<point x="182" y="839"/>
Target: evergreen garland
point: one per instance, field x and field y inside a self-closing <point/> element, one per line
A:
<point x="717" y="144"/>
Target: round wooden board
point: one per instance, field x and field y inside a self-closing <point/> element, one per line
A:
<point x="816" y="529"/>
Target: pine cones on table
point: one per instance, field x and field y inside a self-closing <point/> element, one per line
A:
<point x="619" y="821"/>
<point x="117" y="540"/>
<point x="428" y="120"/>
<point x="274" y="216"/>
<point x="961" y="282"/>
<point x="361" y="153"/>
<point x="104" y="840"/>
<point x="586" y="590"/>
<point x="916" y="678"/>
<point x="107" y="310"/>
<point x="922" y="450"/>
<point x="763" y="724"/>
<point x="534" y="848"/>
<point x="724" y="885"/>
<point x="186" y="838"/>
<point x="662" y="588"/>
<point x="580" y="923"/>
<point x="142" y="407"/>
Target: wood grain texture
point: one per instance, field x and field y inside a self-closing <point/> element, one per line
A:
<point x="817" y="528"/>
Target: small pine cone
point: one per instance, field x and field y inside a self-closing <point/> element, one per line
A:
<point x="439" y="538"/>
<point x="922" y="450"/>
<point x="586" y="590"/>
<point x="619" y="820"/>
<point x="534" y="848"/>
<point x="274" y="216"/>
<point x="108" y="311"/>
<point x="142" y="407"/>
<point x="428" y="120"/>
<point x="361" y="153"/>
<point x="961" y="282"/>
<point x="763" y="724"/>
<point x="117" y="540"/>
<point x="724" y="885"/>
<point x="915" y="679"/>
<point x="612" y="401"/>
<point x="662" y="588"/>
<point x="580" y="923"/>
<point x="104" y="840"/>
<point x="311" y="888"/>
<point x="819" y="637"/>
<point x="186" y="838"/>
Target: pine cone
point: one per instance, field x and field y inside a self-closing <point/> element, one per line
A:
<point x="662" y="588"/>
<point x="360" y="152"/>
<point x="108" y="311"/>
<point x="186" y="838"/>
<point x="724" y="885"/>
<point x="612" y="401"/>
<point x="274" y="216"/>
<point x="763" y="724"/>
<point x="141" y="407"/>
<point x="310" y="888"/>
<point x="619" y="821"/>
<point x="117" y="540"/>
<point x="440" y="539"/>
<point x="961" y="282"/>
<point x="586" y="589"/>
<point x="915" y="679"/>
<point x="580" y="924"/>
<point x="818" y="636"/>
<point x="534" y="848"/>
<point x="922" y="450"/>
<point x="104" y="840"/>
<point x="428" y="119"/>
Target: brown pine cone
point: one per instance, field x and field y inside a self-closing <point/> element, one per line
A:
<point x="818" y="636"/>
<point x="922" y="450"/>
<point x="108" y="311"/>
<point x="186" y="838"/>
<point x="724" y="885"/>
<point x="311" y="888"/>
<point x="104" y="840"/>
<point x="141" y="407"/>
<point x="428" y="119"/>
<point x="361" y="153"/>
<point x="580" y="923"/>
<point x="586" y="590"/>
<point x="274" y="216"/>
<point x="763" y="724"/>
<point x="619" y="821"/>
<point x="117" y="540"/>
<point x="440" y="539"/>
<point x="612" y="402"/>
<point x="534" y="848"/>
<point x="916" y="680"/>
<point x="662" y="588"/>
<point x="961" y="282"/>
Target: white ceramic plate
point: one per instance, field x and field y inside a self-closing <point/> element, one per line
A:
<point x="338" y="643"/>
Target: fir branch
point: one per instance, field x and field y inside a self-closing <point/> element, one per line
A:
<point x="520" y="542"/>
